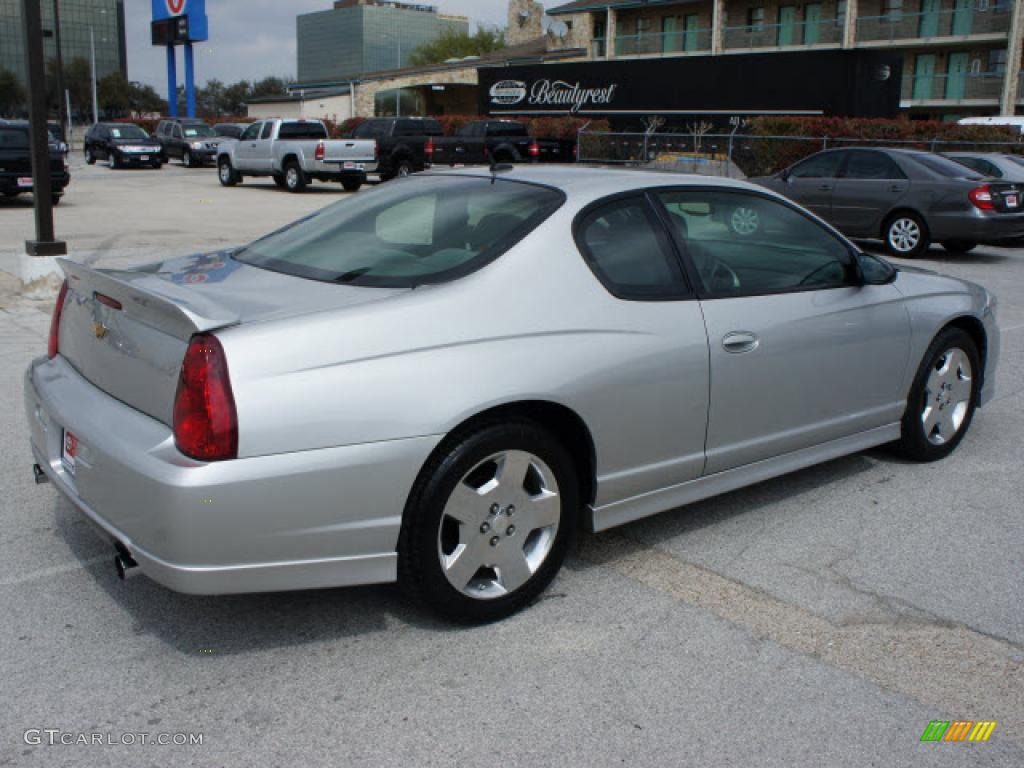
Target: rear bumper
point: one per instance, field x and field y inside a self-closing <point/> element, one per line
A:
<point x="978" y="227"/>
<point x="58" y="181"/>
<point x="304" y="520"/>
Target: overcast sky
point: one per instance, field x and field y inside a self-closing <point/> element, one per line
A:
<point x="256" y="38"/>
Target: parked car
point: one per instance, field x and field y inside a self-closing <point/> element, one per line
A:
<point x="16" y="162"/>
<point x="294" y="152"/>
<point x="192" y="141"/>
<point x="907" y="198"/>
<point x="992" y="164"/>
<point x="365" y="396"/>
<point x="121" y="145"/>
<point x="495" y="141"/>
<point x="401" y="143"/>
<point x="230" y="130"/>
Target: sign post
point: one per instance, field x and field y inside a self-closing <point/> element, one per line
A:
<point x="179" y="22"/>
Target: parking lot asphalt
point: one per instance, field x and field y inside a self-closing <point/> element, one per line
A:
<point x="819" y="619"/>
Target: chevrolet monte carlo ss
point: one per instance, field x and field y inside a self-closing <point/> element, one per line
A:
<point x="438" y="382"/>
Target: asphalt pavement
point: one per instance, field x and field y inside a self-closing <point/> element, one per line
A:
<point x="820" y="619"/>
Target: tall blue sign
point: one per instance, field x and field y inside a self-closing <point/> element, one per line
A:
<point x="180" y="22"/>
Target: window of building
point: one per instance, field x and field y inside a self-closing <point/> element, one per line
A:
<point x="892" y="9"/>
<point x="643" y="25"/>
<point x="997" y="61"/>
<point x="755" y="18"/>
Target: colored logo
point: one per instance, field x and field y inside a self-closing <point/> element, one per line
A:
<point x="175" y="7"/>
<point x="958" y="730"/>
<point x="508" y="92"/>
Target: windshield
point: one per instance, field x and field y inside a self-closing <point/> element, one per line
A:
<point x="192" y="131"/>
<point x="944" y="166"/>
<point x="428" y="229"/>
<point x="128" y="132"/>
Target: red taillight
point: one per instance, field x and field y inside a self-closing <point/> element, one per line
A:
<point x="376" y="150"/>
<point x="58" y="308"/>
<point x="982" y="198"/>
<point x="534" y="149"/>
<point x="321" y="150"/>
<point x="428" y="149"/>
<point x="205" y="420"/>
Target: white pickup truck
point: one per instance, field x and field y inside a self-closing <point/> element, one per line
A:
<point x="294" y="152"/>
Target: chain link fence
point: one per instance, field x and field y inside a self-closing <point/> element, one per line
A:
<point x="735" y="155"/>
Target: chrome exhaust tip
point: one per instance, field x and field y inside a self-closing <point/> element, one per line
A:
<point x="40" y="476"/>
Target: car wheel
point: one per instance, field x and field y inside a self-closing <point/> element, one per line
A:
<point x="186" y="159"/>
<point x="906" y="235"/>
<point x="112" y="161"/>
<point x="294" y="178"/>
<point x="279" y="180"/>
<point x="744" y="221"/>
<point x="158" y="164"/>
<point x="226" y="173"/>
<point x="90" y="158"/>
<point x="489" y="522"/>
<point x="959" y="246"/>
<point x="404" y="169"/>
<point x="942" y="399"/>
<point x="351" y="185"/>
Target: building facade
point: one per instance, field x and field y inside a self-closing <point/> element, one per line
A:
<point x="960" y="57"/>
<point x="104" y="18"/>
<point x="358" y="37"/>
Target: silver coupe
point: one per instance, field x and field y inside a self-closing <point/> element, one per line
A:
<point x="440" y="381"/>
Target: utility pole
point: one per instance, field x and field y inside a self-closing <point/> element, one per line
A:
<point x="65" y="117"/>
<point x="40" y="276"/>
<point x="92" y="59"/>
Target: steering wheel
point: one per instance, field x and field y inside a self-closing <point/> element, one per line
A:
<point x="823" y="267"/>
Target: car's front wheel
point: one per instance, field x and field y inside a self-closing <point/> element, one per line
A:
<point x="942" y="398"/>
<point x="294" y="178"/>
<point x="226" y="173"/>
<point x="186" y="159"/>
<point x="906" y="235"/>
<point x="489" y="521"/>
<point x="112" y="161"/>
<point x="90" y="158"/>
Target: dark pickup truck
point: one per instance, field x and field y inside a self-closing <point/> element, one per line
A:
<point x="16" y="162"/>
<point x="401" y="143"/>
<point x="496" y="141"/>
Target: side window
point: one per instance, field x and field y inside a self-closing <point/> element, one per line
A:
<point x="252" y="132"/>
<point x="268" y="128"/>
<point x="626" y="247"/>
<point x="984" y="167"/>
<point x="865" y="164"/>
<point x="368" y="130"/>
<point x="177" y="131"/>
<point x="742" y="244"/>
<point x="824" y="165"/>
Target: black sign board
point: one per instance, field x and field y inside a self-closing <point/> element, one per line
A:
<point x="171" y="31"/>
<point x="846" y="83"/>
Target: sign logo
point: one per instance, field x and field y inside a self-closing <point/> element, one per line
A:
<point x="562" y="94"/>
<point x="175" y="7"/>
<point x="508" y="92"/>
<point x="958" y="730"/>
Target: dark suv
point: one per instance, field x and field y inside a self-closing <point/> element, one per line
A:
<point x="401" y="143"/>
<point x="191" y="141"/>
<point x="16" y="162"/>
<point x="121" y="145"/>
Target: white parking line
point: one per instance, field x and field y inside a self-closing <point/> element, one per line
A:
<point x="55" y="570"/>
<point x="1012" y="328"/>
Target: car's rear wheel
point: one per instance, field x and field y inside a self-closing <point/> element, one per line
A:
<point x="959" y="246"/>
<point x="55" y="199"/>
<point x="294" y="178"/>
<point x="226" y="173"/>
<point x="906" y="235"/>
<point x="942" y="399"/>
<point x="351" y="185"/>
<point x="489" y="521"/>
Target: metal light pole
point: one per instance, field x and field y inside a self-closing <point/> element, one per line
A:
<point x="45" y="244"/>
<point x="92" y="61"/>
<point x="65" y="116"/>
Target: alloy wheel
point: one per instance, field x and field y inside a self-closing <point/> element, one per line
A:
<point x="947" y="396"/>
<point x="225" y="173"/>
<point x="904" y="235"/>
<point x="292" y="178"/>
<point x="499" y="525"/>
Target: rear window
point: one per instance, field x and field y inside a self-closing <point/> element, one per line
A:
<point x="302" y="131"/>
<point x="418" y="128"/>
<point x="427" y="229"/>
<point x="11" y="138"/>
<point x="944" y="166"/>
<point x="506" y="129"/>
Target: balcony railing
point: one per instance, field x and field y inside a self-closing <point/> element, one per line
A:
<point x="961" y="22"/>
<point x="822" y="32"/>
<point x="656" y="43"/>
<point x="956" y="87"/>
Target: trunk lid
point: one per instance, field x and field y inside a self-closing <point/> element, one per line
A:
<point x="127" y="331"/>
<point x="1007" y="197"/>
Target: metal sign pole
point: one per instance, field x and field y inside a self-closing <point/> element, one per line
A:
<point x="172" y="81"/>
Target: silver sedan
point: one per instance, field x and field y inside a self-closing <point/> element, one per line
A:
<point x="440" y="381"/>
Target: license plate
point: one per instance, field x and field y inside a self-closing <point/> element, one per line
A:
<point x="144" y="158"/>
<point x="1012" y="201"/>
<point x="350" y="166"/>
<point x="25" y="181"/>
<point x="69" y="451"/>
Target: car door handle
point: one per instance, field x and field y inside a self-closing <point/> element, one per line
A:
<point x="897" y="187"/>
<point x="740" y="341"/>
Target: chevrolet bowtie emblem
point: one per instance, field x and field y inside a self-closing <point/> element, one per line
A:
<point x="99" y="329"/>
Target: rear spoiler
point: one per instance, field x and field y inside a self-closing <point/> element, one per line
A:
<point x="151" y="300"/>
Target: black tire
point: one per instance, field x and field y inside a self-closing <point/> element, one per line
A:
<point x="112" y="162"/>
<point x="914" y="442"/>
<point x="90" y="158"/>
<point x="157" y="164"/>
<point x="56" y="199"/>
<point x="959" y="246"/>
<point x="899" y="237"/>
<point x="186" y="159"/>
<point x="420" y="571"/>
<point x="279" y="180"/>
<point x="294" y="178"/>
<point x="351" y="185"/>
<point x="227" y="175"/>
